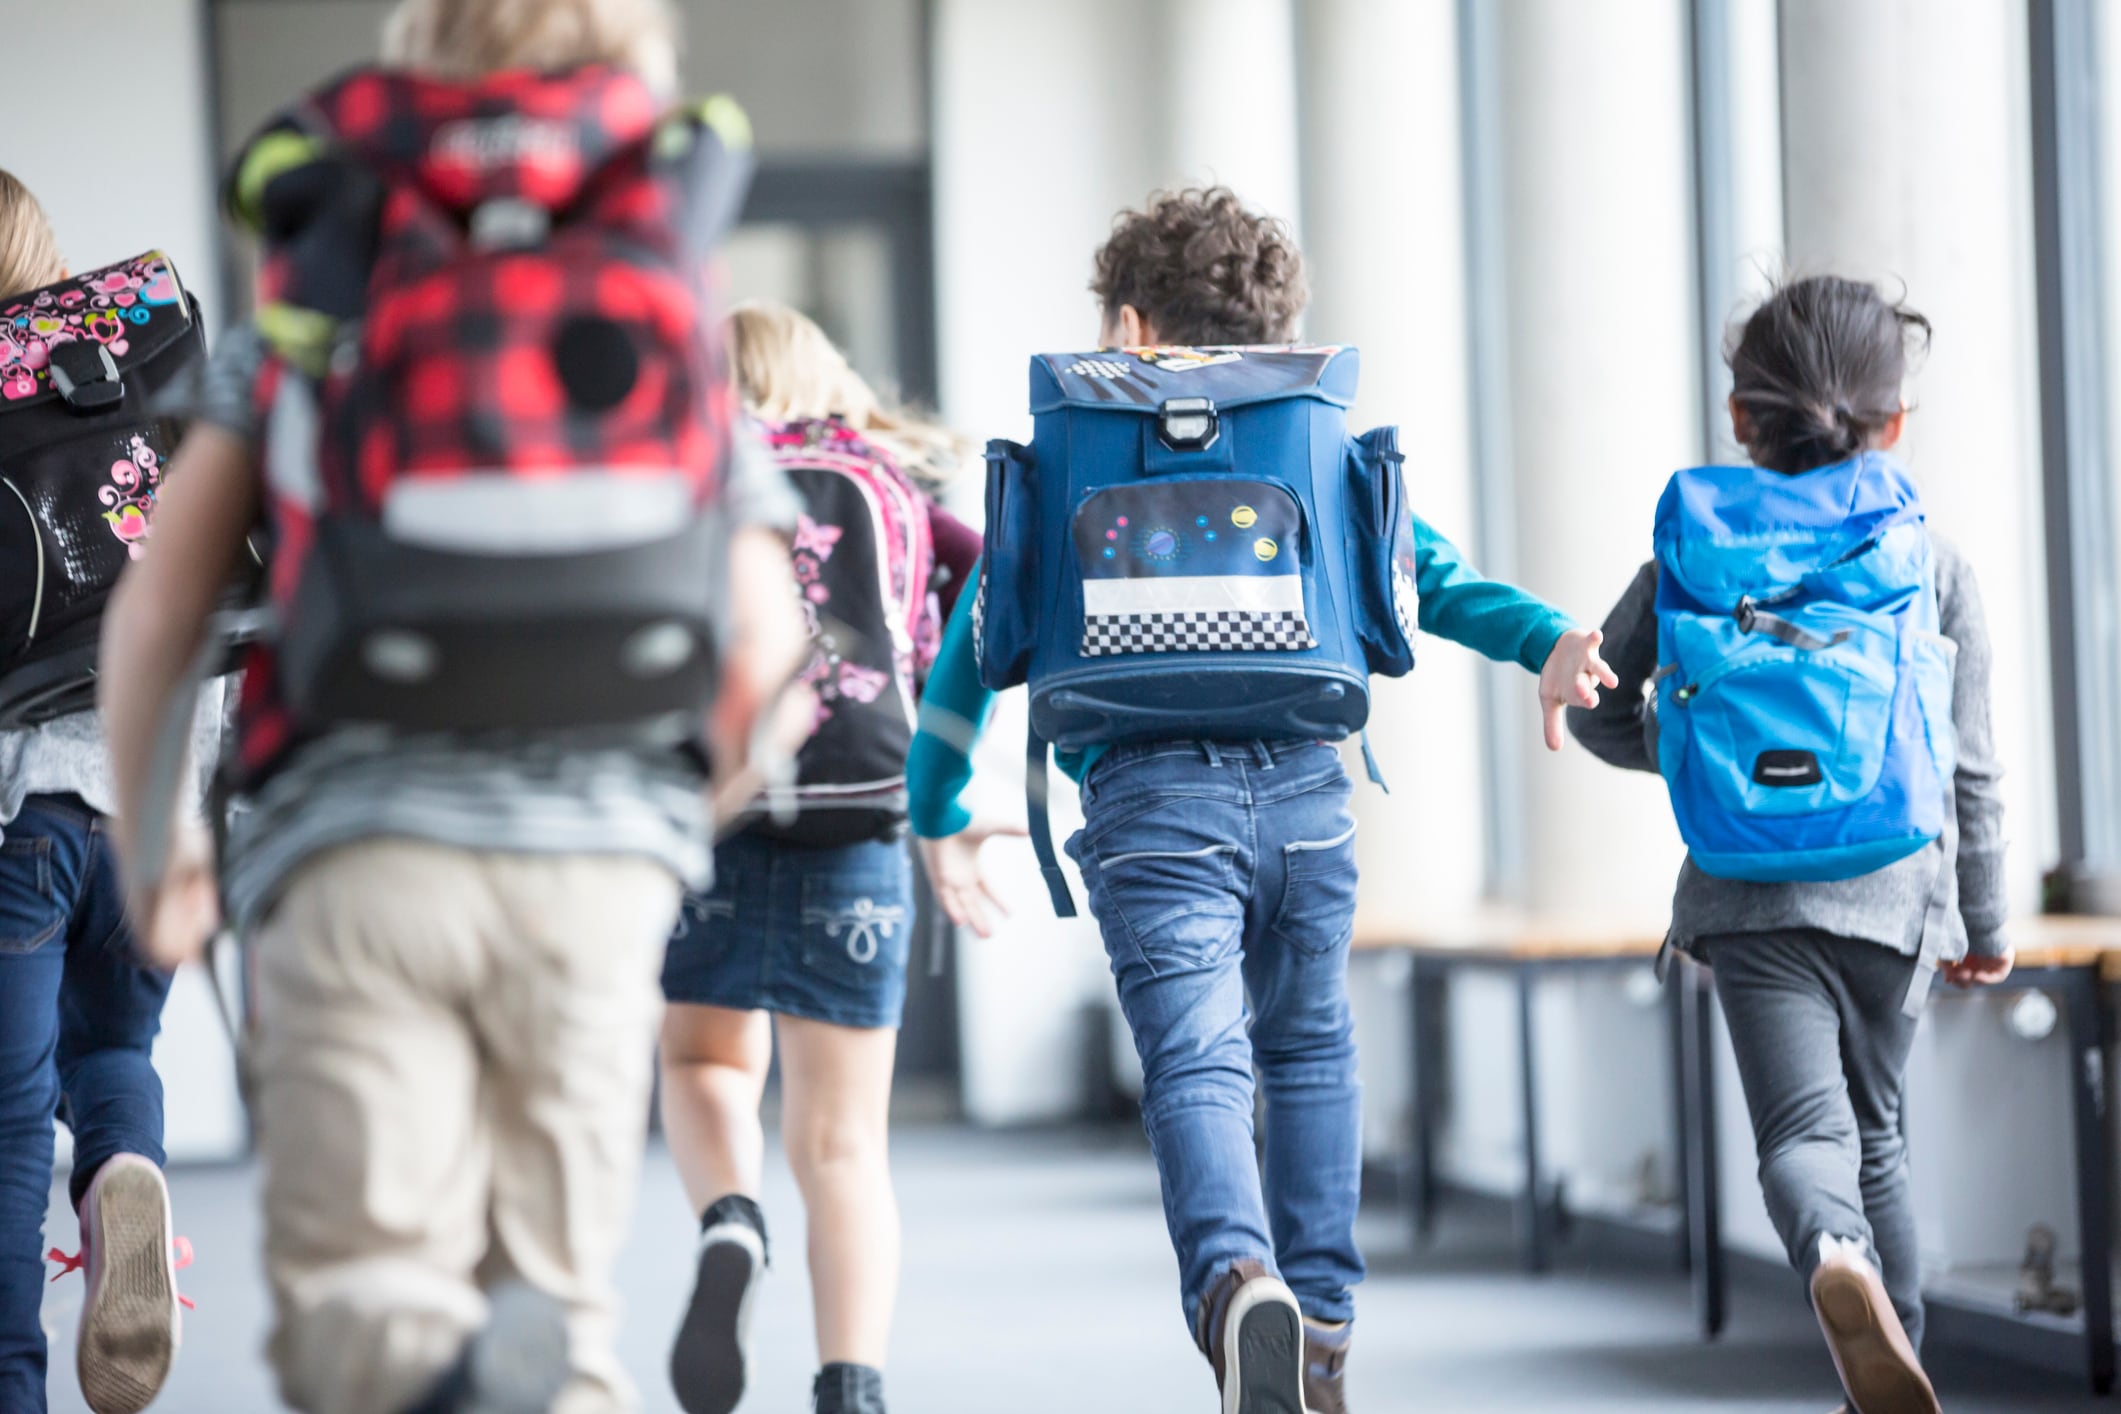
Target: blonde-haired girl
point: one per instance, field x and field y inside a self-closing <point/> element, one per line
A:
<point x="811" y="931"/>
<point x="78" y="1016"/>
<point x="464" y="39"/>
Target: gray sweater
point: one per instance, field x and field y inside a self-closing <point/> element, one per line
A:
<point x="1886" y="906"/>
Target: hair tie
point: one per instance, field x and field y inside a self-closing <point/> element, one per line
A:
<point x="1844" y="413"/>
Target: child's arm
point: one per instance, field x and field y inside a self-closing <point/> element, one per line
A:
<point x="153" y="629"/>
<point x="767" y="638"/>
<point x="1984" y="902"/>
<point x="1613" y="730"/>
<point x="954" y="711"/>
<point x="1510" y="625"/>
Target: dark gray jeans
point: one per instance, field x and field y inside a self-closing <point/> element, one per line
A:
<point x="1822" y="1049"/>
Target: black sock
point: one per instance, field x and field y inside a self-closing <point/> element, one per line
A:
<point x="736" y="1208"/>
<point x="842" y="1388"/>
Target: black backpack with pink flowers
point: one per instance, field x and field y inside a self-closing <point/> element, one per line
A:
<point x="82" y="453"/>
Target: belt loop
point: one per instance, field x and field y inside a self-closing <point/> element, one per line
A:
<point x="1265" y="754"/>
<point x="1207" y="749"/>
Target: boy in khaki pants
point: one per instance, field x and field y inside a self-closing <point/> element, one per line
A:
<point x="456" y="939"/>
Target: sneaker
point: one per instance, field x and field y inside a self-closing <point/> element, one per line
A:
<point x="1252" y="1332"/>
<point x="518" y="1363"/>
<point x="1326" y="1366"/>
<point x="847" y="1389"/>
<point x="1878" y="1365"/>
<point x="130" y="1323"/>
<point x="707" y="1363"/>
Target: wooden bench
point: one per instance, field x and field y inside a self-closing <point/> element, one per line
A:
<point x="2072" y="958"/>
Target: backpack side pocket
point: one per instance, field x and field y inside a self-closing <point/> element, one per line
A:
<point x="1381" y="553"/>
<point x="1006" y="596"/>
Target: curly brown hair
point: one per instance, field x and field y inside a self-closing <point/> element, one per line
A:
<point x="1201" y="269"/>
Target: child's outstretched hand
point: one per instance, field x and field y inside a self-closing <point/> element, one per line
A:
<point x="1571" y="678"/>
<point x="1978" y="970"/>
<point x="960" y="885"/>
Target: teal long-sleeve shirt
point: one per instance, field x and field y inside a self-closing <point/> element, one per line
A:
<point x="1497" y="620"/>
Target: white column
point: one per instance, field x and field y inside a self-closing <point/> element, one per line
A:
<point x="1908" y="160"/>
<point x="1228" y="96"/>
<point x="1907" y="132"/>
<point x="1043" y="129"/>
<point x="1385" y="243"/>
<point x="1603" y="384"/>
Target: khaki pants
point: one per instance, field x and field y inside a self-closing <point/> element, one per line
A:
<point x="453" y="1068"/>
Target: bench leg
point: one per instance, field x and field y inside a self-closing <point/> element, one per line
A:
<point x="1703" y="1160"/>
<point x="1676" y="1014"/>
<point x="1538" y="1240"/>
<point x="2095" y="1167"/>
<point x="1419" y="1181"/>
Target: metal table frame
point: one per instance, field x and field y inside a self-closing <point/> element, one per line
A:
<point x="1690" y="1018"/>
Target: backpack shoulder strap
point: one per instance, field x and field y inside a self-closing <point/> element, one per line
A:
<point x="704" y="151"/>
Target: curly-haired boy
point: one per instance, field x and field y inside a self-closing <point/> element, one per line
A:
<point x="1222" y="874"/>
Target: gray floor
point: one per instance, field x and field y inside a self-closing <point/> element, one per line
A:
<point x="1038" y="1281"/>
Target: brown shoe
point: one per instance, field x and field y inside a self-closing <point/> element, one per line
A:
<point x="1326" y="1367"/>
<point x="1878" y="1366"/>
<point x="1251" y="1330"/>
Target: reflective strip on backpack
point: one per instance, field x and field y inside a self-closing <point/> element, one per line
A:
<point x="494" y="511"/>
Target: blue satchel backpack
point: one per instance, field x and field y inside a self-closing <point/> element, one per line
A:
<point x="1804" y="697"/>
<point x="1193" y="548"/>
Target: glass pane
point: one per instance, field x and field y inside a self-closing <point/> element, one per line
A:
<point x="838" y="275"/>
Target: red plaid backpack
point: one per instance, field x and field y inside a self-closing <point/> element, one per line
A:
<point x="496" y="410"/>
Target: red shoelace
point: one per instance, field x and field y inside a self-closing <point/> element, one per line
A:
<point x="71" y="1263"/>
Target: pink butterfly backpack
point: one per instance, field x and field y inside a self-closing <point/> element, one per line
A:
<point x="863" y="560"/>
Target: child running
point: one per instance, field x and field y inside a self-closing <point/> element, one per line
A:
<point x="806" y="932"/>
<point x="1222" y="873"/>
<point x="78" y="1012"/>
<point x="455" y="931"/>
<point x="1822" y="970"/>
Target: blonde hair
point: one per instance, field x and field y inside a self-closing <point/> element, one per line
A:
<point x="788" y="371"/>
<point x="466" y="39"/>
<point x="29" y="250"/>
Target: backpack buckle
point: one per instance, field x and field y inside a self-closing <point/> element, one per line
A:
<point x="1188" y="424"/>
<point x="86" y="375"/>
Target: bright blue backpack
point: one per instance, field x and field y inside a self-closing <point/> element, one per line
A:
<point x="1193" y="548"/>
<point x="1804" y="703"/>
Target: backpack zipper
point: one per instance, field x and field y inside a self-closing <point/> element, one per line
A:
<point x="36" y="603"/>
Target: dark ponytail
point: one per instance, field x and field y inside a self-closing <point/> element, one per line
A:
<point x="1817" y="370"/>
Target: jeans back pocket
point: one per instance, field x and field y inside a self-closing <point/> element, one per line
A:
<point x="1319" y="880"/>
<point x="31" y="913"/>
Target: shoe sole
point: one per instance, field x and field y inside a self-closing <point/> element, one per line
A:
<point x="522" y="1361"/>
<point x="129" y="1324"/>
<point x="1263" y="1351"/>
<point x="707" y="1364"/>
<point x="1880" y="1372"/>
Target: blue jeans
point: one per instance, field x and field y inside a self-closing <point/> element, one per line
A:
<point x="77" y="1020"/>
<point x="1223" y="876"/>
<point x="823" y="934"/>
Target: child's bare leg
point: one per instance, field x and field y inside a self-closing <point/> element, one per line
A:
<point x="836" y="1089"/>
<point x="714" y="1074"/>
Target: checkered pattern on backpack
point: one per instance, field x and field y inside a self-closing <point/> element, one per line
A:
<point x="1201" y="631"/>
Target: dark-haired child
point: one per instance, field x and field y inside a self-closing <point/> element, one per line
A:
<point x="1821" y="981"/>
<point x="1222" y="875"/>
